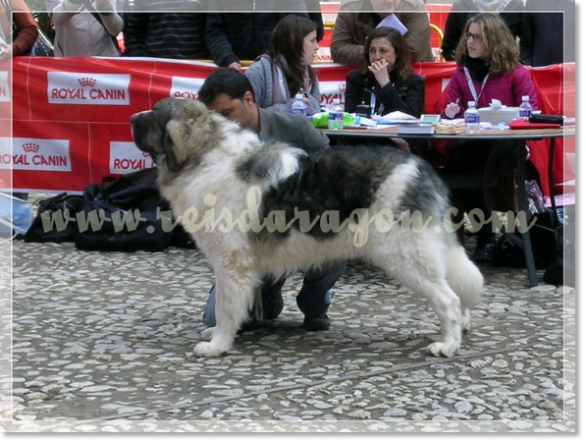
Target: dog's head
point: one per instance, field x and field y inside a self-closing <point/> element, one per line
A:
<point x="177" y="132"/>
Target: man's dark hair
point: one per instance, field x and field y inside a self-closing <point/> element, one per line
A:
<point x="224" y="81"/>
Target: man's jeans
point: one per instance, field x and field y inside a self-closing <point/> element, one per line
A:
<point x="313" y="299"/>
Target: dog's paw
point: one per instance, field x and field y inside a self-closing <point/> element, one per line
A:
<point x="439" y="349"/>
<point x="466" y="321"/>
<point x="206" y="349"/>
<point x="207" y="334"/>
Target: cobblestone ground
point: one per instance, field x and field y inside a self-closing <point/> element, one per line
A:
<point x="102" y="342"/>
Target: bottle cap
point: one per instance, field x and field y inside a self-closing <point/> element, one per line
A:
<point x="525" y="97"/>
<point x="298" y="96"/>
<point x="471" y="103"/>
<point x="336" y="101"/>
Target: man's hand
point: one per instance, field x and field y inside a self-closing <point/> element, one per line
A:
<point x="235" y="65"/>
<point x="402" y="144"/>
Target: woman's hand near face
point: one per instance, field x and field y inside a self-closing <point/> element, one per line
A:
<point x="380" y="70"/>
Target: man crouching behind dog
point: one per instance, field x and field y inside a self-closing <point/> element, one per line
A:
<point x="370" y="203"/>
<point x="230" y="93"/>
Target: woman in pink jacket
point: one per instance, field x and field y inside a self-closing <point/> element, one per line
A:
<point x="488" y="68"/>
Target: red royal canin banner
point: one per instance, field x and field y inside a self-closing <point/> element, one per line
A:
<point x="70" y="116"/>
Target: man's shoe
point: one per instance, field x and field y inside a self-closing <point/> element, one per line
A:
<point x="273" y="308"/>
<point x="317" y="324"/>
<point x="253" y="325"/>
<point x="484" y="251"/>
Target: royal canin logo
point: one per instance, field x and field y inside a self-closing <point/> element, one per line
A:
<point x="185" y="87"/>
<point x="88" y="89"/>
<point x="35" y="154"/>
<point x="5" y="87"/>
<point x="125" y="157"/>
<point x="86" y="81"/>
<point x="31" y="147"/>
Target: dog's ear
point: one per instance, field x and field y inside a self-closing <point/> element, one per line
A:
<point x="174" y="145"/>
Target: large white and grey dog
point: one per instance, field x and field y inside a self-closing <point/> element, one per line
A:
<point x="259" y="208"/>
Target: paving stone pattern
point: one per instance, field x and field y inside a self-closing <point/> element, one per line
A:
<point x="103" y="342"/>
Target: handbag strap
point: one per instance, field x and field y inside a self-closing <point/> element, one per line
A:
<point x="87" y="5"/>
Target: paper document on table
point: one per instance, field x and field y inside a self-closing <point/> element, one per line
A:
<point x="396" y="115"/>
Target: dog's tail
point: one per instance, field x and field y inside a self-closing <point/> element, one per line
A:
<point x="464" y="277"/>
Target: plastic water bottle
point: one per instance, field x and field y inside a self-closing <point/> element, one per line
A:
<point x="471" y="119"/>
<point x="298" y="105"/>
<point x="525" y="107"/>
<point x="336" y="116"/>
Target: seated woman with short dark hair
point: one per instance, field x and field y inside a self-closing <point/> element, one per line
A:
<point x="387" y="83"/>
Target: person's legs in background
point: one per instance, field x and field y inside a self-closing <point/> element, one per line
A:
<point x="272" y="304"/>
<point x="471" y="158"/>
<point x="314" y="298"/>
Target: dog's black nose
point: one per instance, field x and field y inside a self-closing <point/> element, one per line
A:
<point x="134" y="117"/>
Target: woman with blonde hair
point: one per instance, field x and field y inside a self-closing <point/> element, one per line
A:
<point x="511" y="12"/>
<point x="488" y="67"/>
<point x="286" y="69"/>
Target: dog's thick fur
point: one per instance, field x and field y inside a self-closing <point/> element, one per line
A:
<point x="208" y="163"/>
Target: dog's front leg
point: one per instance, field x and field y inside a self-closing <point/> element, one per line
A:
<point x="234" y="300"/>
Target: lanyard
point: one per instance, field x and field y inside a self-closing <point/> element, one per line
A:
<point x="381" y="107"/>
<point x="471" y="85"/>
